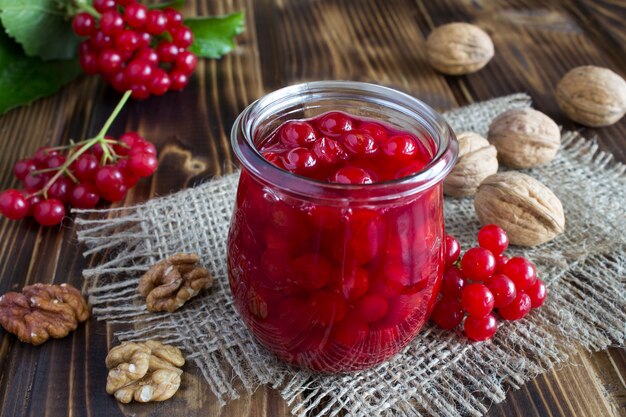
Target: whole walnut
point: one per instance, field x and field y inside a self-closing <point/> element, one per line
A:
<point x="528" y="210"/>
<point x="524" y="138"/>
<point x="42" y="311"/>
<point x="459" y="48"/>
<point x="477" y="160"/>
<point x="144" y="371"/>
<point x="592" y="96"/>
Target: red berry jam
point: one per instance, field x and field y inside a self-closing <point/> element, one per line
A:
<point x="328" y="273"/>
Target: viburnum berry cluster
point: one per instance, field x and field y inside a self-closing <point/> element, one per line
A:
<point x="78" y="174"/>
<point x="482" y="280"/>
<point x="134" y="48"/>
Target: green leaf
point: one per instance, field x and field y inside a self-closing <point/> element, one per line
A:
<point x="175" y="4"/>
<point x="24" y="79"/>
<point x="40" y="26"/>
<point x="214" y="36"/>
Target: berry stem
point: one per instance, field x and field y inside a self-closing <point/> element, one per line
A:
<point x="84" y="6"/>
<point x="88" y="143"/>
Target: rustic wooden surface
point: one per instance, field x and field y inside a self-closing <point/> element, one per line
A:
<point x="288" y="41"/>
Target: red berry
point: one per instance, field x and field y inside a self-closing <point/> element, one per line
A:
<point x="160" y="82"/>
<point x="181" y="36"/>
<point x="501" y="260"/>
<point x="478" y="264"/>
<point x="179" y="80"/>
<point x="503" y="290"/>
<point x="130" y="179"/>
<point x="23" y="167"/>
<point x="377" y="131"/>
<point x="100" y="41"/>
<point x="480" y="328"/>
<point x="144" y="39"/>
<point x="327" y="307"/>
<point x="517" y="309"/>
<point x="126" y="3"/>
<point x="136" y="15"/>
<point x="452" y="250"/>
<point x="84" y="24"/>
<point x="174" y="18"/>
<point x="299" y="160"/>
<point x="142" y="164"/>
<point x="33" y="182"/>
<point x="400" y="147"/>
<point x="61" y="189"/>
<point x="156" y="22"/>
<point x="328" y="150"/>
<point x="477" y="300"/>
<point x="494" y="238"/>
<point x="55" y="161"/>
<point x="42" y="154"/>
<point x="537" y="293"/>
<point x="349" y="332"/>
<point x="103" y="5"/>
<point x="359" y="142"/>
<point x="371" y="307"/>
<point x="521" y="271"/>
<point x="295" y="133"/>
<point x="148" y="55"/>
<point x="139" y="91"/>
<point x="49" y="212"/>
<point x="33" y="200"/>
<point x="108" y="180"/>
<point x="351" y="175"/>
<point x="167" y="51"/>
<point x="452" y="282"/>
<point x="118" y="81"/>
<point x="89" y="62"/>
<point x="84" y="196"/>
<point x="448" y="313"/>
<point x="138" y="72"/>
<point x="142" y="146"/>
<point x="86" y="167"/>
<point x="334" y="123"/>
<point x="111" y="23"/>
<point x="351" y="282"/>
<point x="13" y="204"/>
<point x="311" y="271"/>
<point x="186" y="62"/>
<point x="127" y="41"/>
<point x="109" y="61"/>
<point x="127" y="141"/>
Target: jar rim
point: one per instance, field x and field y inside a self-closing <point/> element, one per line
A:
<point x="245" y="149"/>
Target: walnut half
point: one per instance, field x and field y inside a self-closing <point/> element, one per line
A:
<point x="173" y="281"/>
<point x="42" y="311"/>
<point x="144" y="371"/>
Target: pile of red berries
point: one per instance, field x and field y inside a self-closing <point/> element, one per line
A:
<point x="134" y="48"/>
<point x="79" y="175"/>
<point x="485" y="279"/>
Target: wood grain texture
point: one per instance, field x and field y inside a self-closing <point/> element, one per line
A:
<point x="289" y="41"/>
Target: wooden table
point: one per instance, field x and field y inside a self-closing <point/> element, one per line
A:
<point x="287" y="41"/>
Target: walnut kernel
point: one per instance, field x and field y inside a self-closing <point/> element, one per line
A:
<point x="42" y="311"/>
<point x="173" y="281"/>
<point x="144" y="371"/>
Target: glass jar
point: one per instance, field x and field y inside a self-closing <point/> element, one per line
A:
<point x="336" y="277"/>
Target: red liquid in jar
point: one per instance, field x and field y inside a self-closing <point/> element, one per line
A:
<point x="337" y="287"/>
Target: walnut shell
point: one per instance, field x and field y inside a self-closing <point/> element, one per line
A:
<point x="459" y="48"/>
<point x="525" y="138"/>
<point x="592" y="96"/>
<point x="529" y="212"/>
<point x="477" y="160"/>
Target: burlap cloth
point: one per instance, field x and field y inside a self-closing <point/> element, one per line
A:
<point x="440" y="373"/>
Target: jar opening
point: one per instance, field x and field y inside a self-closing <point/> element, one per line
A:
<point x="366" y="100"/>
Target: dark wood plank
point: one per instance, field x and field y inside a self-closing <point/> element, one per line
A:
<point x="287" y="42"/>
